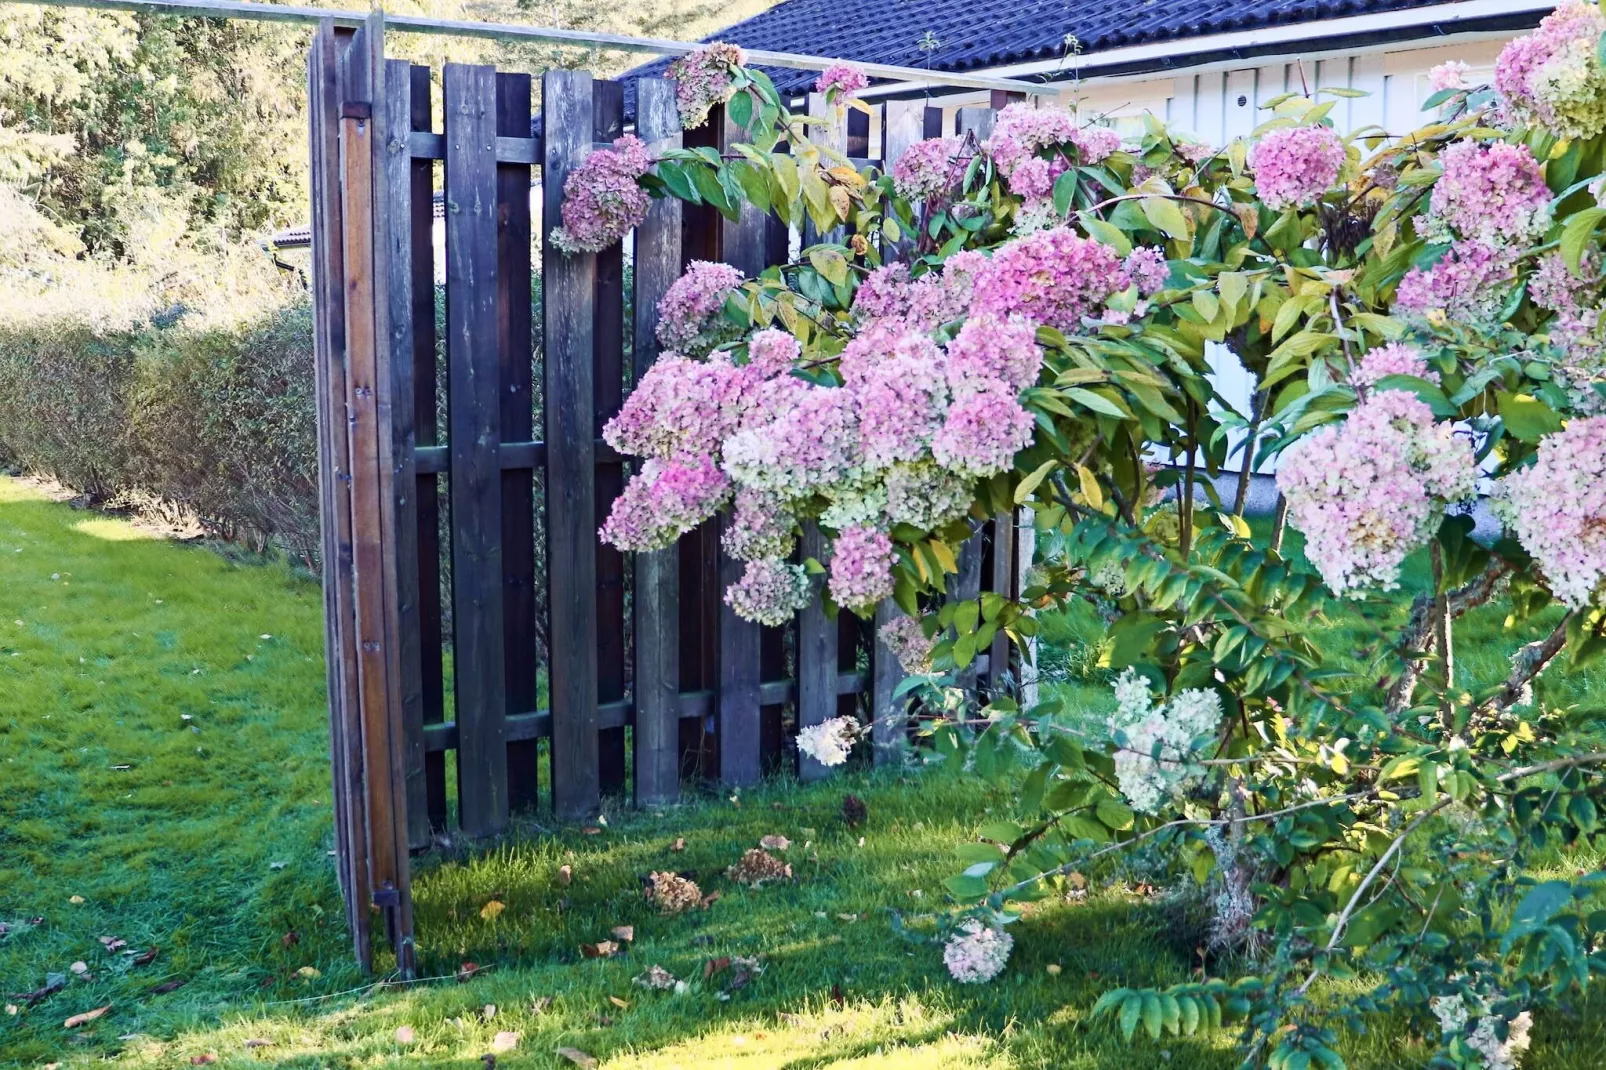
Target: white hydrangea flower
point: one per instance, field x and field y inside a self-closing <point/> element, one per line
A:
<point x="1154" y="761"/>
<point x="977" y="952"/>
<point x="829" y="741"/>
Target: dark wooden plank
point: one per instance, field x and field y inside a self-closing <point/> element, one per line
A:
<point x="743" y="245"/>
<point x="513" y="346"/>
<point x="858" y="144"/>
<point x="608" y="319"/>
<point x="889" y="713"/>
<point x="398" y="191"/>
<point x="474" y="418"/>
<point x="568" y="286"/>
<point x="1000" y="577"/>
<point x="328" y="283"/>
<point x="977" y="121"/>
<point x="656" y="682"/>
<point x="421" y="212"/>
<point x="816" y="659"/>
<point x="932" y="122"/>
<point x="423" y="145"/>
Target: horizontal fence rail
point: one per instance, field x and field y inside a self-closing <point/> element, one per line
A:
<point x="471" y="609"/>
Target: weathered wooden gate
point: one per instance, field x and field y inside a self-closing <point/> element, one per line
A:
<point x="640" y="644"/>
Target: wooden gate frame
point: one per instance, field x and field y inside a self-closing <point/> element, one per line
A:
<point x="372" y="156"/>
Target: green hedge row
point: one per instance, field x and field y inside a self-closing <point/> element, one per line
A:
<point x="217" y="421"/>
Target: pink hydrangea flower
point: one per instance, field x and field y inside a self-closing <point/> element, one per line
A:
<point x="759" y="527"/>
<point x="1032" y="147"/>
<point x="884" y="293"/>
<point x="929" y="169"/>
<point x="983" y="431"/>
<point x="847" y="80"/>
<point x="1552" y="78"/>
<point x="1557" y="506"/>
<point x="1450" y="75"/>
<point x="1492" y="193"/>
<point x="602" y="199"/>
<point x="1469" y="283"/>
<point x="681" y="408"/>
<point x="988" y="350"/>
<point x="1395" y="358"/>
<point x="703" y="79"/>
<point x="805" y="441"/>
<point x="1052" y="277"/>
<point x="1147" y="266"/>
<point x="772" y="352"/>
<point x="861" y="568"/>
<point x="690" y="314"/>
<point x="903" y="637"/>
<point x="1574" y="329"/>
<point x="1295" y="165"/>
<point x="901" y="399"/>
<point x="770" y="592"/>
<point x="925" y="495"/>
<point x="662" y="502"/>
<point x="977" y="952"/>
<point x="1370" y="490"/>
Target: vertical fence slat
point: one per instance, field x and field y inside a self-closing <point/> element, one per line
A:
<point x="421" y="212"/>
<point x="398" y="188"/>
<point x="1001" y="578"/>
<point x="966" y="585"/>
<point x="328" y="280"/>
<point x="743" y="245"/>
<point x="657" y="574"/>
<point x="608" y="115"/>
<point x="816" y="658"/>
<point x="473" y="439"/>
<point x="978" y="121"/>
<point x="513" y="316"/>
<point x="889" y="725"/>
<point x="568" y="288"/>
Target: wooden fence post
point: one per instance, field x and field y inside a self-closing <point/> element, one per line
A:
<point x="474" y="440"/>
<point x="568" y="290"/>
<point x="817" y="646"/>
<point x="657" y="574"/>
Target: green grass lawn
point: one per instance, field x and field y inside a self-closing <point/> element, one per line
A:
<point x="164" y="782"/>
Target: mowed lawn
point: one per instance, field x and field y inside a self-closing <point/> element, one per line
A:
<point x="164" y="785"/>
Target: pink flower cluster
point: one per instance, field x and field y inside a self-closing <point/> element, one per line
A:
<point x="1575" y="328"/>
<point x="690" y="319"/>
<point x="1370" y="490"/>
<point x="989" y="350"/>
<point x="682" y="408"/>
<point x="1450" y="75"/>
<point x="1557" y="506"/>
<point x="1295" y="165"/>
<point x="770" y="592"/>
<point x="1552" y="77"/>
<point x="703" y="79"/>
<point x="1031" y="147"/>
<point x="908" y="643"/>
<point x="759" y="527"/>
<point x="1469" y="283"/>
<point x="602" y="199"/>
<point x="1147" y="266"/>
<point x="1493" y="193"/>
<point x="662" y="502"/>
<point x="1392" y="359"/>
<point x="902" y="397"/>
<point x="861" y="567"/>
<point x="844" y="80"/>
<point x="929" y="169"/>
<point x="1051" y="277"/>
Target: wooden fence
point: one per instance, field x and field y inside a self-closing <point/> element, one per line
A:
<point x="643" y="652"/>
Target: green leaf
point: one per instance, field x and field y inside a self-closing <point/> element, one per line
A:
<point x="831" y="264"/>
<point x="1131" y="1011"/>
<point x="1167" y="216"/>
<point x="740" y="110"/>
<point x="1097" y="402"/>
<point x="1114" y="813"/>
<point x="965" y="887"/>
<point x="1430" y="394"/>
<point x="1153" y="1015"/>
<point x="1576" y="235"/>
<point x="1024" y="488"/>
<point x="1108" y="233"/>
<point x="1064" y="191"/>
<point x="1526" y="418"/>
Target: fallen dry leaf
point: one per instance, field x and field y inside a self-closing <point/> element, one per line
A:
<point x="591" y="830"/>
<point x="505" y="1041"/>
<point x="168" y="986"/>
<point x="679" y="844"/>
<point x="203" y="1060"/>
<point x="80" y="968"/>
<point x="290" y="939"/>
<point x="466" y="971"/>
<point x="404" y="1034"/>
<point x="775" y="843"/>
<point x="540" y="1006"/>
<point x="624" y="933"/>
<point x="490" y="911"/>
<point x="76" y="900"/>
<point x="309" y="972"/>
<point x="600" y="950"/>
<point x="488" y="1011"/>
<point x="713" y="966"/>
<point x="622" y="1004"/>
<point x="1053" y="969"/>
<point x="708" y="900"/>
<point x="54" y="982"/>
<point x="85" y="1018"/>
<point x="565" y="875"/>
<point x="578" y="1057"/>
<point x="258" y="1042"/>
<point x="112" y="943"/>
<point x="145" y="958"/>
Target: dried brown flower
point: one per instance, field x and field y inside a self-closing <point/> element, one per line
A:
<point x="672" y="893"/>
<point x="757" y="866"/>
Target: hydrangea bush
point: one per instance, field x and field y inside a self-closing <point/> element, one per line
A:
<point x="1020" y="324"/>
